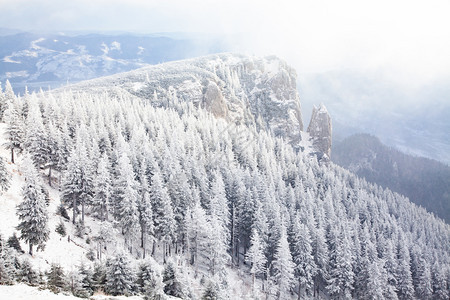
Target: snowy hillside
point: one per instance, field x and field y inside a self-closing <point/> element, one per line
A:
<point x="259" y="92"/>
<point x="163" y="196"/>
<point x="45" y="59"/>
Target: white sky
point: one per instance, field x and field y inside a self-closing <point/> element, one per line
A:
<point x="408" y="39"/>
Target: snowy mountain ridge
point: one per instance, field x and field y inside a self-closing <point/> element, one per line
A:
<point x="241" y="89"/>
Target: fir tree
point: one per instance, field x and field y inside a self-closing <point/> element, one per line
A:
<point x="4" y="177"/>
<point x="119" y="276"/>
<point x="56" y="280"/>
<point x="172" y="285"/>
<point x="255" y="256"/>
<point x="14" y="243"/>
<point x="164" y="221"/>
<point x="305" y="267"/>
<point x="150" y="280"/>
<point x="126" y="197"/>
<point x="15" y="130"/>
<point x="32" y="212"/>
<point x="77" y="184"/>
<point x="211" y="292"/>
<point x="102" y="189"/>
<point x="27" y="274"/>
<point x="283" y="267"/>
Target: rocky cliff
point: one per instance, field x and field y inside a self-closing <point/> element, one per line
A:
<point x="320" y="131"/>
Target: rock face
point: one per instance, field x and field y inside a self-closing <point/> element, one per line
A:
<point x="320" y="130"/>
<point x="239" y="88"/>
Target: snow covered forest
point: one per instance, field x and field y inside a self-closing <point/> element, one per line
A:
<point x="170" y="201"/>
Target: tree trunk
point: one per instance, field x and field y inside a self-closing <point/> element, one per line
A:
<point x="74" y="208"/>
<point x="299" y="290"/>
<point x="50" y="175"/>
<point x="31" y="249"/>
<point x="12" y="154"/>
<point x="82" y="212"/>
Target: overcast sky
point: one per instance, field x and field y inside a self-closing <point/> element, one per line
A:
<point x="410" y="39"/>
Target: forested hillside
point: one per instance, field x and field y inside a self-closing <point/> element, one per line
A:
<point x="172" y="201"/>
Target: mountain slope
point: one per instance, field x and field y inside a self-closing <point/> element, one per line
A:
<point x="169" y="198"/>
<point x="424" y="181"/>
<point x="42" y="59"/>
<point x="259" y="92"/>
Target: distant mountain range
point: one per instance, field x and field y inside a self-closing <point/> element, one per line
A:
<point x="425" y="181"/>
<point x="51" y="60"/>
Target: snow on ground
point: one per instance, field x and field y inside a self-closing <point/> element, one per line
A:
<point x="25" y="292"/>
<point x="57" y="249"/>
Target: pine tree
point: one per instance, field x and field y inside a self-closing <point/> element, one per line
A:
<point x="217" y="256"/>
<point x="86" y="280"/>
<point x="126" y="197"/>
<point x="197" y="233"/>
<point x="7" y="264"/>
<point x="36" y="137"/>
<point x="32" y="212"/>
<point x="77" y="184"/>
<point x="164" y="221"/>
<point x="102" y="189"/>
<point x="150" y="280"/>
<point x="15" y="130"/>
<point x="99" y="276"/>
<point x="172" y="285"/>
<point x="255" y="256"/>
<point x="6" y="98"/>
<point x="305" y="267"/>
<point x="56" y="279"/>
<point x="119" y="276"/>
<point x="5" y="178"/>
<point x="14" y="243"/>
<point x="27" y="274"/>
<point x="211" y="292"/>
<point x="440" y="281"/>
<point x="341" y="276"/>
<point x="404" y="277"/>
<point x="145" y="213"/>
<point x="283" y="267"/>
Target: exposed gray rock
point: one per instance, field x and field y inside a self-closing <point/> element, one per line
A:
<point x="320" y="130"/>
<point x="214" y="102"/>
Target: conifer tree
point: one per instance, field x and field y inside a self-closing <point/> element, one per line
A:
<point x="145" y="211"/>
<point x="15" y="130"/>
<point x="255" y="256"/>
<point x="4" y="177"/>
<point x="126" y="197"/>
<point x="149" y="280"/>
<point x="164" y="221"/>
<point x="102" y="189"/>
<point x="120" y="276"/>
<point x="27" y="274"/>
<point x="77" y="185"/>
<point x="172" y="285"/>
<point x="283" y="267"/>
<point x="305" y="267"/>
<point x="56" y="279"/>
<point x="405" y="288"/>
<point x="32" y="212"/>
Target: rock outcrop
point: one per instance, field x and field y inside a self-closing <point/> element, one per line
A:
<point x="320" y="131"/>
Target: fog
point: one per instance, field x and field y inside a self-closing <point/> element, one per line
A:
<point x="362" y="59"/>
